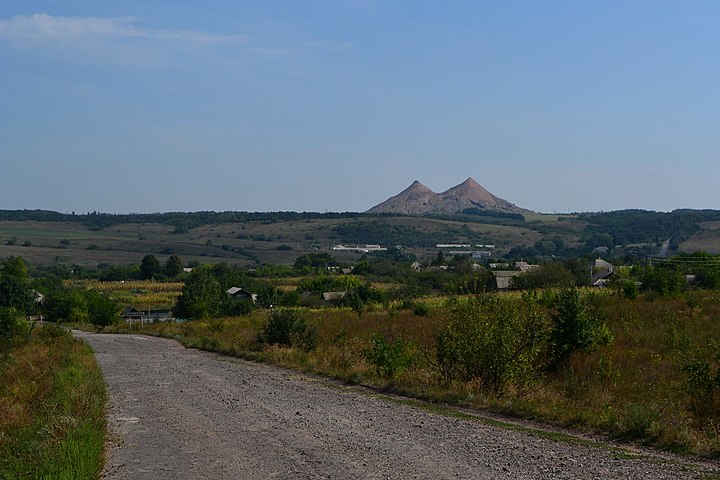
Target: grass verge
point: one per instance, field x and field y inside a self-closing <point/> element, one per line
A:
<point x="52" y="409"/>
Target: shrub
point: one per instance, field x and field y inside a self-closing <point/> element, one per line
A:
<point x="285" y="327"/>
<point x="494" y="341"/>
<point x="12" y="325"/>
<point x="575" y="327"/>
<point x="390" y="358"/>
<point x="420" y="309"/>
<point x="703" y="386"/>
<point x="627" y="287"/>
<point x="638" y="421"/>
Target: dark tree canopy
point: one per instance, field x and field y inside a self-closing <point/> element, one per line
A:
<point x="15" y="285"/>
<point x="149" y="267"/>
<point x="173" y="266"/>
<point x="201" y="297"/>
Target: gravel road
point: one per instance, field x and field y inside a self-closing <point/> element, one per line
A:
<point x="181" y="413"/>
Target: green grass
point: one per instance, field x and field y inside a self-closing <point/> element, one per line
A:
<point x="52" y="417"/>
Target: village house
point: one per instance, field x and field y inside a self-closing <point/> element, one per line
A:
<point x="241" y="294"/>
<point x="503" y="278"/>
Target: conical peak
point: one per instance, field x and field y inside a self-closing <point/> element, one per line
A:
<point x="417" y="199"/>
<point x="469" y="186"/>
<point x="417" y="186"/>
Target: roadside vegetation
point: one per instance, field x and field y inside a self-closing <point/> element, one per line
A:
<point x="52" y="394"/>
<point x="637" y="360"/>
<point x="642" y="369"/>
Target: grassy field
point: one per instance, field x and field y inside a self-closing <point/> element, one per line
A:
<point x="246" y="243"/>
<point x="706" y="240"/>
<point x="640" y="387"/>
<point x="52" y="401"/>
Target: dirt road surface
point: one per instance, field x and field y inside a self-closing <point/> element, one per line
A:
<point x="177" y="413"/>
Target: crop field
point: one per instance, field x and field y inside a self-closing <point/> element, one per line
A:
<point x="141" y="294"/>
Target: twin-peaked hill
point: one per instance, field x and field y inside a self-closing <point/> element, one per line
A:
<point x="418" y="199"/>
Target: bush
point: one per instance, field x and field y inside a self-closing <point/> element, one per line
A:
<point x="420" y="309"/>
<point x="390" y="358"/>
<point x="285" y="327"/>
<point x="703" y="386"/>
<point x="575" y="327"/>
<point x="494" y="341"/>
<point x="12" y="325"/>
<point x="638" y="422"/>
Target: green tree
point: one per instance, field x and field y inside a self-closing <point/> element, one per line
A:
<point x="66" y="306"/>
<point x="353" y="300"/>
<point x="149" y="266"/>
<point x="102" y="311"/>
<point x="201" y="297"/>
<point x="328" y="283"/>
<point x="15" y="285"/>
<point x="14" y="267"/>
<point x="663" y="280"/>
<point x="173" y="266"/>
<point x="548" y="275"/>
<point x="314" y="260"/>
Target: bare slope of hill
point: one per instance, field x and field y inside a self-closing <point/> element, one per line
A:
<point x="418" y="199"/>
<point x="414" y="200"/>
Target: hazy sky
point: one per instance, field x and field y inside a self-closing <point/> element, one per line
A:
<point x="178" y="105"/>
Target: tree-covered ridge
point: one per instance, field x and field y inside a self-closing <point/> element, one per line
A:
<point x="181" y="220"/>
<point x="374" y="232"/>
<point x="624" y="227"/>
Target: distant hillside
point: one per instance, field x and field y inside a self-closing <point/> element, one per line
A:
<point x="51" y="239"/>
<point x="418" y="199"/>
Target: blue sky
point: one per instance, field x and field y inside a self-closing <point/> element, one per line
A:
<point x="137" y="106"/>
